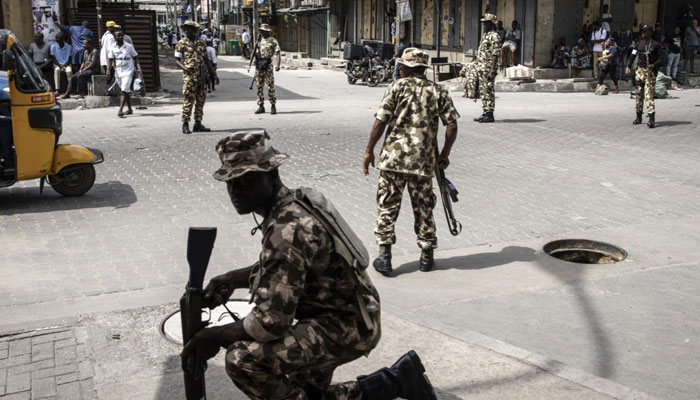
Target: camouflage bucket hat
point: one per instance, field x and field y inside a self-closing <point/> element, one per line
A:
<point x="489" y="18"/>
<point x="414" y="57"/>
<point x="192" y="24"/>
<point x="244" y="152"/>
<point x="265" y="27"/>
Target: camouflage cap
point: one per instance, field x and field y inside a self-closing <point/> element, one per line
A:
<point x="191" y="23"/>
<point x="489" y="18"/>
<point x="414" y="57"/>
<point x="265" y="27"/>
<point x="244" y="152"/>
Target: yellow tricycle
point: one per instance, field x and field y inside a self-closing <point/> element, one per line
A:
<point x="30" y="126"/>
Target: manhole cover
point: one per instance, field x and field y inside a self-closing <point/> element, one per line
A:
<point x="584" y="251"/>
<point x="171" y="327"/>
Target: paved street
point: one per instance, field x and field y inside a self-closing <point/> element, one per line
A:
<point x="553" y="166"/>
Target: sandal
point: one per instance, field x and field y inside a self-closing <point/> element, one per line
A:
<point x="129" y="112"/>
<point x="120" y="115"/>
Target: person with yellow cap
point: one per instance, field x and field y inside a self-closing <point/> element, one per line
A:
<point x="411" y="108"/>
<point x="106" y="44"/>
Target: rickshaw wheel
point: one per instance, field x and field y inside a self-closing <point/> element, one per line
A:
<point x="74" y="180"/>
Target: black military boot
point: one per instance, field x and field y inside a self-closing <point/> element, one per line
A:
<point x="652" y="121"/>
<point x="198" y="127"/>
<point x="478" y="119"/>
<point x="186" y="128"/>
<point x="427" y="262"/>
<point x="382" y="263"/>
<point x="638" y="120"/>
<point x="260" y="110"/>
<point x="273" y="109"/>
<point x="405" y="379"/>
<point x="487" y="117"/>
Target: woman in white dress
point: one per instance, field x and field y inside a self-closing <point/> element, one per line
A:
<point x="124" y="58"/>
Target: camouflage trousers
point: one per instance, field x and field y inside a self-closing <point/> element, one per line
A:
<point x="195" y="95"/>
<point x="287" y="369"/>
<point x="389" y="195"/>
<point x="475" y="78"/>
<point x="645" y="84"/>
<point x="262" y="78"/>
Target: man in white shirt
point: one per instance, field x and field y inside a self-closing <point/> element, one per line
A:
<point x="245" y="38"/>
<point x="123" y="57"/>
<point x="106" y="43"/>
<point x="598" y="38"/>
<point x="511" y="43"/>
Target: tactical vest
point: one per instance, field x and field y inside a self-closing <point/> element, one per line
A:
<point x="345" y="241"/>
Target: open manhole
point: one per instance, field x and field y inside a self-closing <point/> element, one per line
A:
<point x="584" y="251"/>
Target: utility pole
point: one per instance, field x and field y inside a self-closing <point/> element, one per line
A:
<point x="255" y="21"/>
<point x="99" y="19"/>
<point x="193" y="12"/>
<point x="398" y="23"/>
<point x="439" y="30"/>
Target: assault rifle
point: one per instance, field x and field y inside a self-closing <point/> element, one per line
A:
<point x="448" y="194"/>
<point x="200" y="243"/>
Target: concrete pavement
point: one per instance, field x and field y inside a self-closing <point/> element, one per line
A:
<point x="496" y="319"/>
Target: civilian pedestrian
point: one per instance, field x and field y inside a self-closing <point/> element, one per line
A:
<point x="607" y="18"/>
<point x="510" y="45"/>
<point x="625" y="38"/>
<point x="125" y="61"/>
<point x="608" y="65"/>
<point x="89" y="67"/>
<point x="580" y="56"/>
<point x="211" y="52"/>
<point x="598" y="38"/>
<point x="561" y="54"/>
<point x="245" y="39"/>
<point x="692" y="42"/>
<point x="106" y="44"/>
<point x="61" y="57"/>
<point x="40" y="53"/>
<point x="399" y="53"/>
<point x="673" y="46"/>
<point x="77" y="33"/>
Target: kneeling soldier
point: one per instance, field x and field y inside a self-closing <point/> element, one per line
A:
<point x="315" y="306"/>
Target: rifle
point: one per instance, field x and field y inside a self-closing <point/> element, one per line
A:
<point x="200" y="243"/>
<point x="254" y="57"/>
<point x="448" y="194"/>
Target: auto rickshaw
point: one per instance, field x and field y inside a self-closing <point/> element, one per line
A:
<point x="30" y="126"/>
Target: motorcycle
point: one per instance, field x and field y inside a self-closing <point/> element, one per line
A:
<point x="369" y="69"/>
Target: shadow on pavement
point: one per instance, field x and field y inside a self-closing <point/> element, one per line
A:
<point x="28" y="200"/>
<point x="156" y="114"/>
<point x="476" y="261"/>
<point x="672" y="123"/>
<point x="520" y="121"/>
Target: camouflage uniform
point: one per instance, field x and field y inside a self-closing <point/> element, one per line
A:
<point x="489" y="49"/>
<point x="648" y="53"/>
<point x="267" y="48"/>
<point x="313" y="311"/>
<point x="300" y="276"/>
<point x="193" y="55"/>
<point x="470" y="80"/>
<point x="411" y="106"/>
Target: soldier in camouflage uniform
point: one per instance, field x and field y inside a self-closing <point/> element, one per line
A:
<point x="411" y="109"/>
<point x="650" y="56"/>
<point x="314" y="310"/>
<point x="191" y="55"/>
<point x="267" y="48"/>
<point x="485" y="69"/>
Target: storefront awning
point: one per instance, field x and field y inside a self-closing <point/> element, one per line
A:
<point x="302" y="11"/>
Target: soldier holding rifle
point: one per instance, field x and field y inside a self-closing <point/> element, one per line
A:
<point x="266" y="48"/>
<point x="315" y="306"/>
<point x="648" y="54"/>
<point x="411" y="109"/>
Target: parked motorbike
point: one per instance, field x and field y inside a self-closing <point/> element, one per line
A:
<point x="369" y="68"/>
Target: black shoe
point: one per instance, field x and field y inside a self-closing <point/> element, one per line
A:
<point x="638" y="120"/>
<point x="260" y="110"/>
<point x="652" y="121"/>
<point x="405" y="379"/>
<point x="273" y="109"/>
<point x="427" y="262"/>
<point x="186" y="128"/>
<point x="382" y="263"/>
<point x="487" y="117"/>
<point x="477" y="119"/>
<point x="198" y="127"/>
